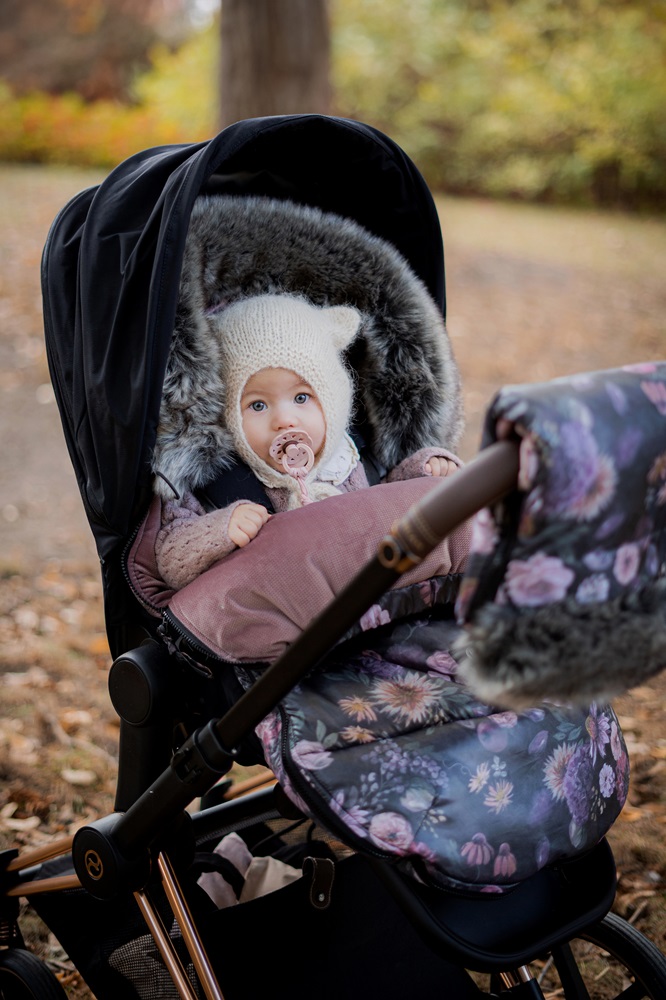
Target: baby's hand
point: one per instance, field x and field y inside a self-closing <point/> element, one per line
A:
<point x="245" y="522"/>
<point x="439" y="466"/>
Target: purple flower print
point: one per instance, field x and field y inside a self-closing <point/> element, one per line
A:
<point x="656" y="393"/>
<point x="627" y="446"/>
<point x="354" y="817"/>
<point x="598" y="560"/>
<point x="477" y="851"/>
<point x="374" y="618"/>
<point x="505" y="862"/>
<point x="616" y="743"/>
<point x="507" y="720"/>
<point x="491" y="736"/>
<point x="538" y="743"/>
<point x="391" y="831"/>
<point x="606" y="781"/>
<point x="311" y="755"/>
<point x="576" y="785"/>
<point x="442" y="662"/>
<point x="484" y="533"/>
<point x="598" y="728"/>
<point x="599" y="495"/>
<point x="539" y="580"/>
<point x="581" y="481"/>
<point x="627" y="562"/>
<point x="269" y="730"/>
<point x="593" y="589"/>
<point x="622" y="779"/>
<point x="529" y="462"/>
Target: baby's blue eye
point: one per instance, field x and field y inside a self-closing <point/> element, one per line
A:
<point x="258" y="405"/>
<point x="301" y="397"/>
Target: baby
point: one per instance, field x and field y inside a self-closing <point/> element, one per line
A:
<point x="289" y="401"/>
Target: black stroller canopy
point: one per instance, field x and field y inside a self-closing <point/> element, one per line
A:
<point x="111" y="270"/>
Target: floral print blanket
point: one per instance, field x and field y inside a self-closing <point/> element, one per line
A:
<point x="564" y="594"/>
<point x="386" y="747"/>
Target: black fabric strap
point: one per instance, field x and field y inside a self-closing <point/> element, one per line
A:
<point x="240" y="483"/>
<point x="236" y="483"/>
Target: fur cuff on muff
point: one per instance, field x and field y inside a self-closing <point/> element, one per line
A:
<point x="407" y="381"/>
<point x="564" y="596"/>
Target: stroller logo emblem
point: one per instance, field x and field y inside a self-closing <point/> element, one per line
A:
<point x="94" y="865"/>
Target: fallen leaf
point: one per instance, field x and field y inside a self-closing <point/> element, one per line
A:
<point x="78" y="777"/>
<point x="12" y="823"/>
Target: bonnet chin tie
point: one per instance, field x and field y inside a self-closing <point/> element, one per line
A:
<point x="294" y="450"/>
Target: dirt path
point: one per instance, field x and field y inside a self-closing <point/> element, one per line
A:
<point x="533" y="294"/>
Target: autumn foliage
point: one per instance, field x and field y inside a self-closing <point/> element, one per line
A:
<point x="526" y="99"/>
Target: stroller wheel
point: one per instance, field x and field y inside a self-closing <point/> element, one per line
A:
<point x="23" y="976"/>
<point x="609" y="961"/>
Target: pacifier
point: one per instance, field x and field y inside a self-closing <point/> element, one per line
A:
<point x="293" y="449"/>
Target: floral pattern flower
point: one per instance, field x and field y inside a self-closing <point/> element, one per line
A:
<point x="374" y="618"/>
<point x="505" y="862"/>
<point x="541" y="579"/>
<point x="556" y="768"/>
<point x="410" y="698"/>
<point x="598" y="726"/>
<point x="477" y="851"/>
<point x="627" y="561"/>
<point x="391" y="830"/>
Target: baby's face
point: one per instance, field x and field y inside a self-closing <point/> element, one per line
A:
<point x="275" y="400"/>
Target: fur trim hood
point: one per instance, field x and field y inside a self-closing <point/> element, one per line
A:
<point x="408" y="393"/>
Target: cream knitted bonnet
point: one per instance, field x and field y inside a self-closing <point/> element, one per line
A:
<point x="287" y="331"/>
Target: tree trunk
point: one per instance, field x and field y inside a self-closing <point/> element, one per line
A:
<point x="275" y="58"/>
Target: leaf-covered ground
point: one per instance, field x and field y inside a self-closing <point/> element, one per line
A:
<point x="533" y="293"/>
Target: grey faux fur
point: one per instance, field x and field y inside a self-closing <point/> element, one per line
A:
<point x="407" y="378"/>
<point x="567" y="652"/>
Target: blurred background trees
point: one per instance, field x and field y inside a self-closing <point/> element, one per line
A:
<point x="92" y="47"/>
<point x="547" y="100"/>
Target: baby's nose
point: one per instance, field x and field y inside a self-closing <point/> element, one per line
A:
<point x="285" y="417"/>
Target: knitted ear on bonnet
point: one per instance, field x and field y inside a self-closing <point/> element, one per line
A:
<point x="287" y="331"/>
